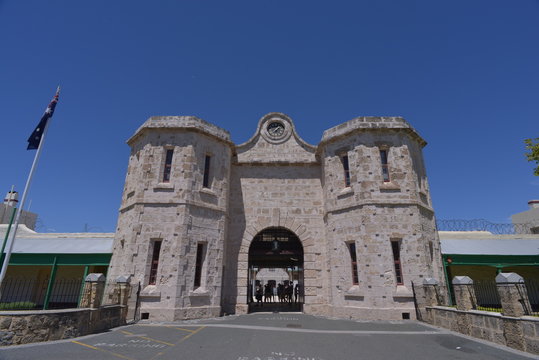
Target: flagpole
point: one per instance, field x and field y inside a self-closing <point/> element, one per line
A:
<point x="21" y="204"/>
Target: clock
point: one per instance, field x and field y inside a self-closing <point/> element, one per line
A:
<point x="275" y="129"/>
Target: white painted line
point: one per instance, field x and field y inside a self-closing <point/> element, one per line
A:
<point x="284" y="329"/>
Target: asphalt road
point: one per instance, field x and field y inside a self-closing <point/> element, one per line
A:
<point x="260" y="336"/>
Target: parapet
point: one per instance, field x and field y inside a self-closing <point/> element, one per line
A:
<point x="192" y="123"/>
<point x="370" y="123"/>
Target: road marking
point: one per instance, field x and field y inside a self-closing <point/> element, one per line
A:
<point x="281" y="318"/>
<point x="147" y="338"/>
<point x="191" y="334"/>
<point x="279" y="355"/>
<point x="284" y="329"/>
<point x="103" y="350"/>
<point x="173" y="327"/>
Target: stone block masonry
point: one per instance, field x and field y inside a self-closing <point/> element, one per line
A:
<point x="513" y="327"/>
<point x="23" y="327"/>
<point x="204" y="199"/>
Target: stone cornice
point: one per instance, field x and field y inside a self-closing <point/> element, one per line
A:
<point x="369" y="123"/>
<point x="184" y="203"/>
<point x="377" y="203"/>
<point x="182" y="123"/>
<point x="276" y="163"/>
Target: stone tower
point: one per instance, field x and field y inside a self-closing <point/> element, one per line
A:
<point x="349" y="220"/>
<point x="385" y="215"/>
<point x="168" y="218"/>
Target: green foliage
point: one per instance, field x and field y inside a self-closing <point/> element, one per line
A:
<point x="20" y="305"/>
<point x="532" y="145"/>
<point x="482" y="308"/>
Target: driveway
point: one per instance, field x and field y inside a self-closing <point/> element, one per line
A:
<point x="262" y="336"/>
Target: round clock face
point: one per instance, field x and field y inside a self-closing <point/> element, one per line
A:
<point x="276" y="129"/>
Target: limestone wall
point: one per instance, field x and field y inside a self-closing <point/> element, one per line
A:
<point x="263" y="148"/>
<point x="277" y="196"/>
<point x="180" y="213"/>
<point x="489" y="326"/>
<point x="370" y="213"/>
<point x="275" y="179"/>
<point x="510" y="327"/>
<point x="23" y="327"/>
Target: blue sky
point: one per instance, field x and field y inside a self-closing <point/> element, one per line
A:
<point x="463" y="73"/>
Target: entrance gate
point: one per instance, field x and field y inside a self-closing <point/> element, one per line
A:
<point x="275" y="272"/>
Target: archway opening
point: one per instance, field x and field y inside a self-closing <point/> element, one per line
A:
<point x="275" y="277"/>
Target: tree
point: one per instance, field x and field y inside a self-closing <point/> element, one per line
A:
<point x="532" y="145"/>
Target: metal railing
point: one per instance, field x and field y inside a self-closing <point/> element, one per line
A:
<point x="28" y="294"/>
<point x="532" y="286"/>
<point x="487" y="297"/>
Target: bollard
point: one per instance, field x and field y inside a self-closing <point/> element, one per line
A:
<point x="432" y="297"/>
<point x="465" y="299"/>
<point x="464" y="293"/>
<point x="124" y="288"/>
<point x="94" y="287"/>
<point x="513" y="294"/>
<point x="515" y="303"/>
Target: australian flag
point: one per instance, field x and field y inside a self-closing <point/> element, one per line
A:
<point x="35" y="139"/>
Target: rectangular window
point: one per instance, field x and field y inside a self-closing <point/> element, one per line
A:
<point x="385" y="168"/>
<point x="168" y="165"/>
<point x="206" y="181"/>
<point x="199" y="264"/>
<point x="396" y="248"/>
<point x="346" y="168"/>
<point x="155" y="262"/>
<point x="353" y="258"/>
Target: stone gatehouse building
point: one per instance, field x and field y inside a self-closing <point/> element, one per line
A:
<point x="349" y="221"/>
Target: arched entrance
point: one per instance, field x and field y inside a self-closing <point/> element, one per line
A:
<point x="275" y="271"/>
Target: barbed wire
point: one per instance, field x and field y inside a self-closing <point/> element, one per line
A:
<point x="485" y="225"/>
<point x="41" y="227"/>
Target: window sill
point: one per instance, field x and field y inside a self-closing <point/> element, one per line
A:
<point x="389" y="186"/>
<point x="150" y="291"/>
<point x="198" y="292"/>
<point x="353" y="294"/>
<point x="402" y="292"/>
<point x="345" y="192"/>
<point x="164" y="187"/>
<point x="208" y="191"/>
<point x="354" y="290"/>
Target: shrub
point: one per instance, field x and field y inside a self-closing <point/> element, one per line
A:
<point x="19" y="305"/>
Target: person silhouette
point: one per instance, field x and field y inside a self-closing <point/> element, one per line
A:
<point x="258" y="293"/>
